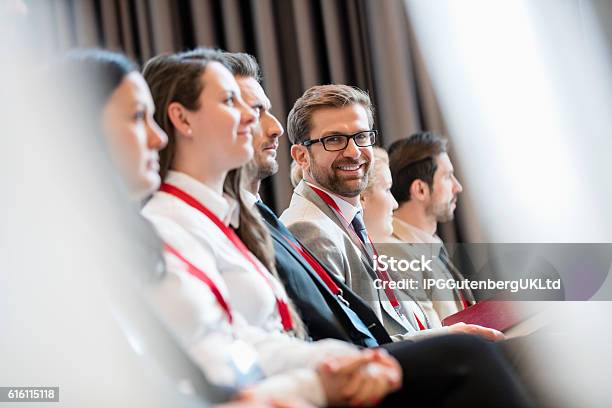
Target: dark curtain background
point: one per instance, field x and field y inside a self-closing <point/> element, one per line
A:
<point x="298" y="43"/>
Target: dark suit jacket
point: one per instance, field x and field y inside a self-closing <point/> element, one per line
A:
<point x="320" y="309"/>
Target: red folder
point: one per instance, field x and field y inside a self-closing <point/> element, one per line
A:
<point x="495" y="314"/>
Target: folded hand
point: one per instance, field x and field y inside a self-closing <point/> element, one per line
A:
<point x="487" y="333"/>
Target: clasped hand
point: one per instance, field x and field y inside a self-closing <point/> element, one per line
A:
<point x="360" y="380"/>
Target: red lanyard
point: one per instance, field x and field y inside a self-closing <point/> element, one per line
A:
<point x="464" y="302"/>
<point x="347" y="225"/>
<point x="317" y="267"/>
<point x="198" y="273"/>
<point x="281" y="305"/>
<point x="381" y="274"/>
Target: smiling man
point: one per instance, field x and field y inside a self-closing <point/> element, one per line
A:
<point x="340" y="165"/>
<point x="331" y="128"/>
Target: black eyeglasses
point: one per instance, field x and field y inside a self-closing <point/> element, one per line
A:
<point x="333" y="143"/>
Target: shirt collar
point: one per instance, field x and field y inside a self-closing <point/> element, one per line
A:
<point x="249" y="198"/>
<point x="409" y="233"/>
<point x="347" y="210"/>
<point x="224" y="207"/>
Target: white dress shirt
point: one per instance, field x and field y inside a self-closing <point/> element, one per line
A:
<point x="250" y="199"/>
<point x="196" y="317"/>
<point x="406" y="232"/>
<point x="347" y="209"/>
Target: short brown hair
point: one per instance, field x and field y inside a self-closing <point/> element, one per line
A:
<point x="241" y="64"/>
<point x="414" y="158"/>
<point x="319" y="97"/>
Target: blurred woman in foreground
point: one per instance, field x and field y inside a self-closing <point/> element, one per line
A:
<point x="122" y="105"/>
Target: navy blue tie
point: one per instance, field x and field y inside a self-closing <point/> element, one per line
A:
<point x="360" y="228"/>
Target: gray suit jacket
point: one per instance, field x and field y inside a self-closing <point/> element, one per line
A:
<point x="319" y="229"/>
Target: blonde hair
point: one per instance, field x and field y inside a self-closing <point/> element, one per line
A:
<point x="381" y="158"/>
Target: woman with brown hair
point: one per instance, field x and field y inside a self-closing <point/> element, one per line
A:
<point x="198" y="210"/>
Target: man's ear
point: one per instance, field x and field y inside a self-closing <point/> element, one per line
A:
<point x="178" y="115"/>
<point x="300" y="154"/>
<point x="419" y="190"/>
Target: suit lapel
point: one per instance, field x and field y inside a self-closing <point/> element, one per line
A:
<point x="279" y="237"/>
<point x="283" y="242"/>
<point x="304" y="191"/>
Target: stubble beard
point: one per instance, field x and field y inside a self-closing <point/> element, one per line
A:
<point x="443" y="212"/>
<point x="266" y="170"/>
<point x="330" y="180"/>
<point x="260" y="171"/>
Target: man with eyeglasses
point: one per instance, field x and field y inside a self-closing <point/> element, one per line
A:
<point x="330" y="127"/>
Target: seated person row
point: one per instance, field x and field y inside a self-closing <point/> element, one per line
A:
<point x="206" y="323"/>
<point x="208" y="124"/>
<point x="327" y="127"/>
<point x="239" y="272"/>
<point x="220" y="343"/>
<point x="302" y="274"/>
<point x="293" y="259"/>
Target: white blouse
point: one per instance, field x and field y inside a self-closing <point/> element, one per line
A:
<point x="248" y="291"/>
<point x="189" y="308"/>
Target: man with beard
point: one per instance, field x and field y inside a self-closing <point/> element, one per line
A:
<point x="330" y="127"/>
<point x="426" y="189"/>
